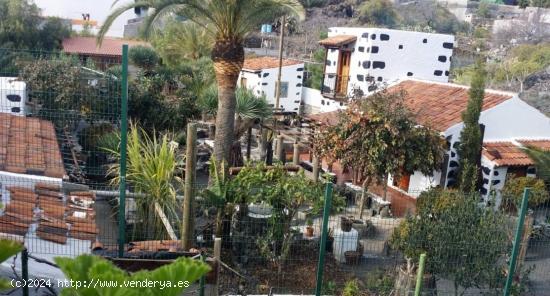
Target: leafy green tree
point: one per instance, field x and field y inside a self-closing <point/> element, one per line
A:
<point x="143" y="57"/>
<point x="315" y="77"/>
<point x="377" y="137"/>
<point x="464" y="242"/>
<point x="176" y="277"/>
<point x="540" y="3"/>
<point x="8" y="248"/>
<point x="228" y="22"/>
<point x="379" y="13"/>
<point x="182" y="41"/>
<point x="512" y="192"/>
<point x="469" y="149"/>
<point x="542" y="162"/>
<point x="523" y="3"/>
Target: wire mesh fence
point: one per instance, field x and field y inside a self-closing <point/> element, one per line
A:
<point x="59" y="159"/>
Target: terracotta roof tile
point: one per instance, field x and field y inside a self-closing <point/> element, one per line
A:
<point x="111" y="47"/>
<point x="505" y="154"/>
<point x="338" y="40"/>
<point x="29" y="146"/>
<point x="259" y="63"/>
<point x="541" y="144"/>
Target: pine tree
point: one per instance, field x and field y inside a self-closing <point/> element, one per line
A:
<point x="470" y="136"/>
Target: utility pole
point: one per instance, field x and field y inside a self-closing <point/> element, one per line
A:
<point x="281" y="42"/>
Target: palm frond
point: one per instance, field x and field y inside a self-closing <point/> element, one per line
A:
<point x="250" y="106"/>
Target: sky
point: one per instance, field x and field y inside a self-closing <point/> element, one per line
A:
<point x="98" y="10"/>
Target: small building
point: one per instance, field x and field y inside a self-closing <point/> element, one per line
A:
<point x="260" y="74"/>
<point x="359" y="59"/>
<point x="504" y="115"/>
<point x="104" y="56"/>
<point x="13" y="96"/>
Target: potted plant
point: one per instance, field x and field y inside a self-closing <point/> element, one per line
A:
<point x="309" y="227"/>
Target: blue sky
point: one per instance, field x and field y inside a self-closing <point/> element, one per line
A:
<point x="73" y="9"/>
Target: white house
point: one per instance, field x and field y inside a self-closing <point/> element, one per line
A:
<point x="13" y="96"/>
<point x="260" y="75"/>
<point x="508" y="122"/>
<point x="357" y="59"/>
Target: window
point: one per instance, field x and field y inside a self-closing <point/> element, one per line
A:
<point x="361" y="49"/>
<point x="424" y="40"/>
<point x="384" y="37"/>
<point x="15" y="109"/>
<point x="243" y="82"/>
<point x="442" y="58"/>
<point x="284" y="89"/>
<point x="14" y="98"/>
<point x="400" y="46"/>
<point x="373" y="36"/>
<point x="403" y="181"/>
<point x="448" y="45"/>
<point x="374" y="49"/>
<point x="438" y="72"/>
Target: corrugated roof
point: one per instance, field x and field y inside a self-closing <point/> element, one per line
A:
<point x="338" y="40"/>
<point x="111" y="47"/>
<point x="506" y="154"/>
<point x="260" y="63"/>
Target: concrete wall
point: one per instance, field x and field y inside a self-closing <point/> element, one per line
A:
<point x="263" y="82"/>
<point x="314" y="102"/>
<point x="390" y="56"/>
<point x="8" y="86"/>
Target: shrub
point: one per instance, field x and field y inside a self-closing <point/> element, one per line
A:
<point x="351" y="288"/>
<point x="378" y="12"/>
<point x="512" y="192"/>
<point x="143" y="56"/>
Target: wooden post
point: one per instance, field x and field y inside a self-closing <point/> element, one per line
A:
<point x="217" y="257"/>
<point x="527" y="229"/>
<point x="249" y="144"/>
<point x="187" y="231"/>
<point x="315" y="168"/>
<point x="296" y="154"/>
<point x="263" y="144"/>
<point x="280" y="150"/>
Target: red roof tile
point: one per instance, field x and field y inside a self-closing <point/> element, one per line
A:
<point x="88" y="45"/>
<point x="541" y="144"/>
<point x="259" y="63"/>
<point x="338" y="40"/>
<point x="505" y="154"/>
<point x="29" y="146"/>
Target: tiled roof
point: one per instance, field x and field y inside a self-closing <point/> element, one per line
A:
<point x="440" y="105"/>
<point x="541" y="144"/>
<point x="338" y="40"/>
<point x="58" y="216"/>
<point x="506" y="154"/>
<point x="259" y="63"/>
<point x="326" y="118"/>
<point x="29" y="146"/>
<point x="88" y="45"/>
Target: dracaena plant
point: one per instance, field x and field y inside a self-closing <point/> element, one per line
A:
<point x="99" y="277"/>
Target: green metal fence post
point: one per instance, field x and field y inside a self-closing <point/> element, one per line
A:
<point x="420" y="275"/>
<point x="123" y="140"/>
<point x="202" y="280"/>
<point x="517" y="239"/>
<point x="25" y="271"/>
<point x="324" y="235"/>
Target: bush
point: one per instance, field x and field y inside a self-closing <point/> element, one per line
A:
<point x="512" y="192"/>
<point x="351" y="288"/>
<point x="379" y="13"/>
<point x="380" y="282"/>
<point x="143" y="56"/>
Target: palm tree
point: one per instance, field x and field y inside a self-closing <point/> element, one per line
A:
<point x="180" y="41"/>
<point x="229" y="21"/>
<point x="249" y="108"/>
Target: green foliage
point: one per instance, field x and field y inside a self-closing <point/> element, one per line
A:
<point x="483" y="10"/>
<point x="351" y="288"/>
<point x="313" y="3"/>
<point x="380" y="282"/>
<point x="180" y="41"/>
<point x="8" y="248"/>
<point x="328" y="288"/>
<point x="542" y="162"/>
<point x="429" y="17"/>
<point x="470" y="137"/>
<point x="377" y="137"/>
<point x="540" y="3"/>
<point x="378" y="13"/>
<point x="465" y="243"/>
<point x="176" y="276"/>
<point x="315" y="77"/>
<point x="151" y="170"/>
<point x="143" y="56"/>
<point x="512" y="192"/>
<point x="523" y="3"/>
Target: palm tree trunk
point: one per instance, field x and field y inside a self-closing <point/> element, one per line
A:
<point x="228" y="57"/>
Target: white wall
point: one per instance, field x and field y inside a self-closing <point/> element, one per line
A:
<point x="415" y="59"/>
<point x="315" y="103"/>
<point x="263" y="82"/>
<point x="9" y="86"/>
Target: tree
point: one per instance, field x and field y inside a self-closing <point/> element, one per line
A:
<point x="170" y="280"/>
<point x="143" y="57"/>
<point x="464" y="242"/>
<point x="182" y="41"/>
<point x="512" y="192"/>
<point x="379" y="13"/>
<point x="377" y="137"/>
<point x="228" y="22"/>
<point x="523" y="3"/>
<point x="469" y="149"/>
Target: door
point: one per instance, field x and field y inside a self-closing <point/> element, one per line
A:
<point x="343" y="73"/>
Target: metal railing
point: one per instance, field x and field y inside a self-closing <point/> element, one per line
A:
<point x="335" y="86"/>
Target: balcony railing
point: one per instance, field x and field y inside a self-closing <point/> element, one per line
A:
<point x="335" y="86"/>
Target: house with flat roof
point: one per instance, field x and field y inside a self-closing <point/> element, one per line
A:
<point x="506" y="119"/>
<point x="360" y="60"/>
<point x="260" y="74"/>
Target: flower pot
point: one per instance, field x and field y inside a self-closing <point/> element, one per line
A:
<point x="352" y="257"/>
<point x="345" y="224"/>
<point x="309" y="231"/>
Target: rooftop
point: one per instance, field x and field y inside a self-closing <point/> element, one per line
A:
<point x="29" y="146"/>
<point x="506" y="154"/>
<point x="260" y="63"/>
<point x="88" y="45"/>
<point x="338" y="40"/>
<point x="437" y="105"/>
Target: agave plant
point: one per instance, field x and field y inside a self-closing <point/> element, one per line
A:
<point x="152" y="172"/>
